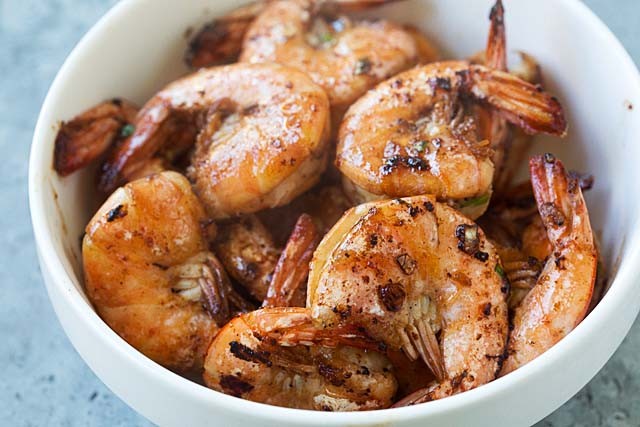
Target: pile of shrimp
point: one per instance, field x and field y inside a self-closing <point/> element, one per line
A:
<point x="324" y="214"/>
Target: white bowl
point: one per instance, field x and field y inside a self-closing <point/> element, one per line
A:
<point x="138" y="46"/>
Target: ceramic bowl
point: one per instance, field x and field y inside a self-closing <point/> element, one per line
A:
<point x="138" y="47"/>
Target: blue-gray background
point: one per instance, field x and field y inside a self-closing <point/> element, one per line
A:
<point x="43" y="381"/>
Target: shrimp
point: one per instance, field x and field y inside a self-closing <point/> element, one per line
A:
<point x="293" y="266"/>
<point x="149" y="273"/>
<point x="562" y="294"/>
<point x="276" y="356"/>
<point x="248" y="253"/>
<point x="220" y="41"/>
<point x="89" y="135"/>
<point x="419" y="276"/>
<point x="515" y="227"/>
<point x="410" y="135"/>
<point x="262" y="136"/>
<point x="344" y="56"/>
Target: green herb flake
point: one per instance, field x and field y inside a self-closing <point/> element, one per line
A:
<point x="420" y="146"/>
<point x="477" y="201"/>
<point x="127" y="130"/>
<point x="500" y="271"/>
<point x="326" y="37"/>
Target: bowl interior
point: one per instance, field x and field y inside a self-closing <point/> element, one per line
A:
<point x="140" y="59"/>
<point x="132" y="58"/>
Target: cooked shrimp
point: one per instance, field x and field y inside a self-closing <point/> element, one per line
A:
<point x="248" y="253"/>
<point x="312" y="369"/>
<point x="562" y="294"/>
<point x="325" y="203"/>
<point x="293" y="266"/>
<point x="344" y="56"/>
<point x="220" y="41"/>
<point x="418" y="276"/>
<point x="89" y="135"/>
<point x="410" y="135"/>
<point x="515" y="227"/>
<point x="411" y="375"/>
<point x="150" y="276"/>
<point x="262" y="135"/>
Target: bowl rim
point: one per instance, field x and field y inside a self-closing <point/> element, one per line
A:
<point x="620" y="287"/>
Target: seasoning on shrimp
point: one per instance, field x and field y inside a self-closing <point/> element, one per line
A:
<point x="276" y="356"/>
<point x="89" y="135"/>
<point x="562" y="293"/>
<point x="343" y="55"/>
<point x="260" y="132"/>
<point x="377" y="152"/>
<point x="150" y="276"/>
<point x="414" y="290"/>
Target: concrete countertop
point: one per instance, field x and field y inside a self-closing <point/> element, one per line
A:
<point x="44" y="381"/>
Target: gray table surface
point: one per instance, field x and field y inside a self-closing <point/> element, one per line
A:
<point x="44" y="381"/>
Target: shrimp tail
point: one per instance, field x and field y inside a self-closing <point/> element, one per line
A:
<point x="88" y="136"/>
<point x="297" y="329"/>
<point x="293" y="265"/>
<point x="220" y="41"/>
<point x="157" y="124"/>
<point x="519" y="102"/>
<point x="418" y="396"/>
<point x="560" y="201"/>
<point x="161" y="131"/>
<point x="356" y="5"/>
<point x="496" y="52"/>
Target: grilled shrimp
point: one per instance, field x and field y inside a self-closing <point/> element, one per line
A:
<point x="410" y="135"/>
<point x="248" y="253"/>
<point x="262" y="133"/>
<point x="276" y="356"/>
<point x="418" y="276"/>
<point x="344" y="56"/>
<point x="562" y="294"/>
<point x="150" y="276"/>
<point x="89" y="135"/>
<point x="326" y="203"/>
<point x="220" y="41"/>
<point x="515" y="227"/>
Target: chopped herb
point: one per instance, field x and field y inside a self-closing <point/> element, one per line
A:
<point x="476" y="201"/>
<point x="127" y="130"/>
<point x="326" y="38"/>
<point x="500" y="271"/>
<point x="363" y="66"/>
<point x="420" y="146"/>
